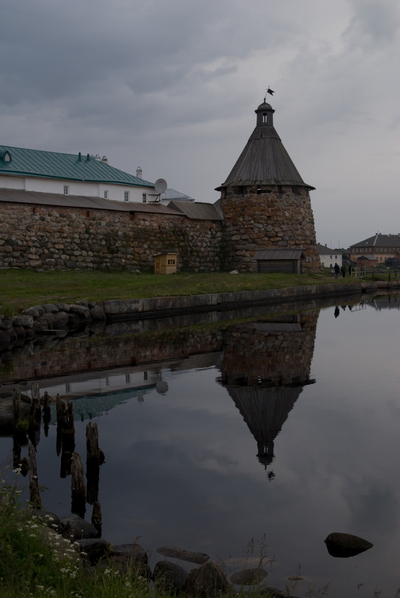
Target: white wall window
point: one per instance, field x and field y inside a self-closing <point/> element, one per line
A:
<point x="126" y="195"/>
<point x="66" y="189"/>
<point x="144" y="197"/>
<point x="105" y="194"/>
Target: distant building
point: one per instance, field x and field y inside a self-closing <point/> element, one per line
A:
<point x="380" y="247"/>
<point x="69" y="174"/>
<point x="366" y="261"/>
<point x="329" y="256"/>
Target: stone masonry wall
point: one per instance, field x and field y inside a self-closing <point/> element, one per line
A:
<point x="48" y="238"/>
<point x="260" y="221"/>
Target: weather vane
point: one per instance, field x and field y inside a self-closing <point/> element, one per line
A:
<point x="270" y="91"/>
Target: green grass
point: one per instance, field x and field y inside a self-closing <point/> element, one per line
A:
<point x="37" y="562"/>
<point x="23" y="288"/>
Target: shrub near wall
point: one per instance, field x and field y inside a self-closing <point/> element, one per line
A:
<point x="49" y="238"/>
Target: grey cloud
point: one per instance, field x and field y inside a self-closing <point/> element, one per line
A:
<point x="175" y="83"/>
<point x="376" y="21"/>
<point x="150" y="47"/>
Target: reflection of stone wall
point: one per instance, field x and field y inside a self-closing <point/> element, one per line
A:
<point x="270" y="353"/>
<point x="82" y="354"/>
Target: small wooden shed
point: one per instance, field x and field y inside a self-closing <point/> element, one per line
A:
<point x="288" y="261"/>
<point x="165" y="263"/>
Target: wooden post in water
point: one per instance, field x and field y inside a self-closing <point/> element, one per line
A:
<point x="33" y="479"/>
<point x="78" y="488"/>
<point x="19" y="433"/>
<point x="92" y="462"/>
<point x="35" y="415"/>
<point x="65" y="434"/>
<point x="97" y="519"/>
<point x="46" y="412"/>
<point x="16" y="452"/>
<point x="68" y="437"/>
<point x="16" y="408"/>
<point x="59" y="404"/>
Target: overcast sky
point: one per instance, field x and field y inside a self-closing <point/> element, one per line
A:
<point x="172" y="85"/>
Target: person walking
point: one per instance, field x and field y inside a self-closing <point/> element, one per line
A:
<point x="343" y="270"/>
<point x="337" y="269"/>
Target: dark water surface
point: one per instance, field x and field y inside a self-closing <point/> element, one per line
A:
<point x="282" y="432"/>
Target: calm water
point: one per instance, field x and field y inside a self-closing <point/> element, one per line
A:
<point x="283" y="432"/>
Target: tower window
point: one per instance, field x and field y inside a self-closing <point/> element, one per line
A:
<point x="265" y="117"/>
<point x="126" y="195"/>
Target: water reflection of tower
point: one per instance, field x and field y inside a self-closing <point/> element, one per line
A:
<point x="264" y="368"/>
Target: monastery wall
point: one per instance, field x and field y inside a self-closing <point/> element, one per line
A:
<point x="48" y="238"/>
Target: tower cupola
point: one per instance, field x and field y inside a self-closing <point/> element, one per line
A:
<point x="265" y="115"/>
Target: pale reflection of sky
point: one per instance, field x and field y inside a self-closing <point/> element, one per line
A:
<point x="181" y="468"/>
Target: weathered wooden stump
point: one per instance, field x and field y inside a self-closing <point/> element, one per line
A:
<point x="33" y="479"/>
<point x="19" y="430"/>
<point x="59" y="403"/>
<point x="16" y="408"/>
<point x="97" y="518"/>
<point x="46" y="412"/>
<point x="92" y="462"/>
<point x="78" y="488"/>
<point x="16" y="452"/>
<point x="35" y="415"/>
<point x="65" y="435"/>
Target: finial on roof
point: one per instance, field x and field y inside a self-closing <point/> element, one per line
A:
<point x="270" y="91"/>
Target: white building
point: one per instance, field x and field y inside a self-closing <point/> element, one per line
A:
<point x="70" y="174"/>
<point x="329" y="257"/>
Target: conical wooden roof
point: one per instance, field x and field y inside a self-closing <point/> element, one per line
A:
<point x="264" y="160"/>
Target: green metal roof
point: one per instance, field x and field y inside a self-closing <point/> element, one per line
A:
<point x="69" y="167"/>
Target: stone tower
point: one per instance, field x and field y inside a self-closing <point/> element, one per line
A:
<point x="265" y="202"/>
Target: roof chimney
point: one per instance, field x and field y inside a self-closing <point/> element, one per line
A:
<point x="139" y="172"/>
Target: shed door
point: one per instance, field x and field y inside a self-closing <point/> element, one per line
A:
<point x="285" y="266"/>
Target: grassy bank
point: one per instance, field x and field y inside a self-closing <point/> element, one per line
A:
<point x="22" y="288"/>
<point x="36" y="562"/>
